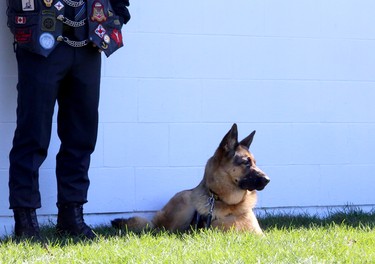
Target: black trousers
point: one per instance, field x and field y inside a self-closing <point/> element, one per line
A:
<point x="71" y="77"/>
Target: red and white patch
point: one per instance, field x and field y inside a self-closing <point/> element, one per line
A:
<point x="117" y="37"/>
<point x="20" y="20"/>
<point x="100" y="31"/>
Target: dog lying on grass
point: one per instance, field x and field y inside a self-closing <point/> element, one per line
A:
<point x="224" y="199"/>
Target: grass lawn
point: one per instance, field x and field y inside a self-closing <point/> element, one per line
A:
<point x="343" y="237"/>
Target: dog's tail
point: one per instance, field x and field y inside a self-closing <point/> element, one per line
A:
<point x="134" y="224"/>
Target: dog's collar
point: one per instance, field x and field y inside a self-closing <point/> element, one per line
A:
<point x="214" y="195"/>
<point x="205" y="220"/>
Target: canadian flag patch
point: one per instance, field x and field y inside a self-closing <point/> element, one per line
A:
<point x="20" y="20"/>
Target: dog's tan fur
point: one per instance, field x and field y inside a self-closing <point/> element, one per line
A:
<point x="231" y="176"/>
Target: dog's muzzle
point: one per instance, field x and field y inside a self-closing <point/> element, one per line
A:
<point x="254" y="180"/>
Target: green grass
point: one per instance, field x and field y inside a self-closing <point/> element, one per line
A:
<point x="342" y="237"/>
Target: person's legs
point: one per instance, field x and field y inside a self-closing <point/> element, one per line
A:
<point x="78" y="101"/>
<point x="38" y="82"/>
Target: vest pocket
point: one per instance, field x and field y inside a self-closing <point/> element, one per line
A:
<point x="24" y="26"/>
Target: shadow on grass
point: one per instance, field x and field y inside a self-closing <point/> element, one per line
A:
<point x="352" y="217"/>
<point x="49" y="235"/>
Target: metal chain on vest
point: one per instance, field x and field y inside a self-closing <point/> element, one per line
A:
<point x="71" y="23"/>
<point x="73" y="43"/>
<point x="74" y="3"/>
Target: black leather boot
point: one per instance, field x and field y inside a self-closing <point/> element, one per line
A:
<point x="70" y="221"/>
<point x="26" y="223"/>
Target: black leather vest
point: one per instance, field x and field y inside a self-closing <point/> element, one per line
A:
<point x="39" y="25"/>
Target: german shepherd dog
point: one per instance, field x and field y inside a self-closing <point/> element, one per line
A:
<point x="224" y="199"/>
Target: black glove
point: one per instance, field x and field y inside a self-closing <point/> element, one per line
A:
<point x="120" y="8"/>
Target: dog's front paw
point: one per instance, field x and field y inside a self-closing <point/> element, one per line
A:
<point x="119" y="223"/>
<point x="133" y="224"/>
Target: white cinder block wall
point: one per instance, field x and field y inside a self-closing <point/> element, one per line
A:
<point x="301" y="73"/>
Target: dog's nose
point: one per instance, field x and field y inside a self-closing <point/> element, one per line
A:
<point x="266" y="179"/>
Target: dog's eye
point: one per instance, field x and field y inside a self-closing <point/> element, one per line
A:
<point x="246" y="162"/>
<point x="242" y="161"/>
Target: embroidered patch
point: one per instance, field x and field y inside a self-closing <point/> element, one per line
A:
<point x="104" y="46"/>
<point x="20" y="20"/>
<point x="48" y="20"/>
<point x="106" y="39"/>
<point x="48" y="23"/>
<point x="28" y="5"/>
<point x="23" y="35"/>
<point x="46" y="40"/>
<point x="100" y="31"/>
<point x="59" y="5"/>
<point x="98" y="12"/>
<point x="48" y="3"/>
<point x="117" y="37"/>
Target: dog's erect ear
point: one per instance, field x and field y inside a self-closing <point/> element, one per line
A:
<point x="247" y="141"/>
<point x="230" y="141"/>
